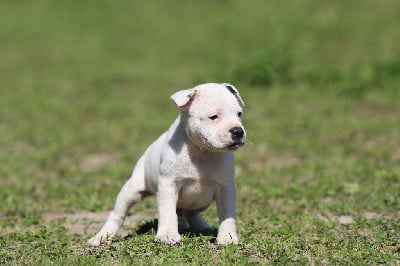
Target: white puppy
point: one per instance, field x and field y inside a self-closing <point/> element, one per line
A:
<point x="188" y="167"/>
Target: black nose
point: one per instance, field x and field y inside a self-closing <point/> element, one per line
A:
<point x="237" y="132"/>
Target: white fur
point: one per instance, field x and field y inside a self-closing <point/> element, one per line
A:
<point x="188" y="167"/>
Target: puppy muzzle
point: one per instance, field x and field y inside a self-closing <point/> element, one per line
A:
<point x="238" y="138"/>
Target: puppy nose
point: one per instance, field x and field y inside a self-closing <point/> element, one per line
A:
<point x="237" y="132"/>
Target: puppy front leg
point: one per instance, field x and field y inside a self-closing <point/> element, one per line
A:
<point x="167" y="197"/>
<point x="226" y="206"/>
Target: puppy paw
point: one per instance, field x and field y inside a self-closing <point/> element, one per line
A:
<point x="168" y="238"/>
<point x="228" y="238"/>
<point x="97" y="240"/>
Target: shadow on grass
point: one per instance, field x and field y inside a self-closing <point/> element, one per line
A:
<point x="151" y="226"/>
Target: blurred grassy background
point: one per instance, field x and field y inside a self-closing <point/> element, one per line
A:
<point x="320" y="80"/>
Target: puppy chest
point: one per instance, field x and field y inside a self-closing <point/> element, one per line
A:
<point x="196" y="194"/>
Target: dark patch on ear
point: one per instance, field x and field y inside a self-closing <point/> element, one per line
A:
<point x="235" y="92"/>
<point x="231" y="89"/>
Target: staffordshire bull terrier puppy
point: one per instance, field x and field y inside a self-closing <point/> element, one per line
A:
<point x="188" y="167"/>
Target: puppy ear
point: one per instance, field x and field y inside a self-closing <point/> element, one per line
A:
<point x="183" y="98"/>
<point x="235" y="92"/>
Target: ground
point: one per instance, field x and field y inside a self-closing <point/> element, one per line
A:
<point x="85" y="89"/>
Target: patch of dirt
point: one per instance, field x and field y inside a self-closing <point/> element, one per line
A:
<point x="345" y="219"/>
<point x="371" y="215"/>
<point x="396" y="155"/>
<point x="97" y="161"/>
<point x="349" y="219"/>
<point x="284" y="160"/>
<point x="89" y="223"/>
<point x="256" y="162"/>
<point x="260" y="159"/>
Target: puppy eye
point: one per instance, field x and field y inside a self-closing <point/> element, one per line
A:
<point x="240" y="114"/>
<point x="213" y="117"/>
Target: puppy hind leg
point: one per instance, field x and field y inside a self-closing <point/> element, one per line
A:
<point x="196" y="221"/>
<point x="133" y="191"/>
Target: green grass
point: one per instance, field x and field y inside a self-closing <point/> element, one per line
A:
<point x="318" y="182"/>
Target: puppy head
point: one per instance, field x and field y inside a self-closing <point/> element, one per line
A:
<point x="214" y="116"/>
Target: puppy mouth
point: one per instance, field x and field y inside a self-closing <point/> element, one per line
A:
<point x="235" y="145"/>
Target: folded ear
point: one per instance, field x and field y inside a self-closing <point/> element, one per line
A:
<point x="183" y="98"/>
<point x="235" y="92"/>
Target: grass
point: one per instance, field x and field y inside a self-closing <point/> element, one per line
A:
<point x="318" y="182"/>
